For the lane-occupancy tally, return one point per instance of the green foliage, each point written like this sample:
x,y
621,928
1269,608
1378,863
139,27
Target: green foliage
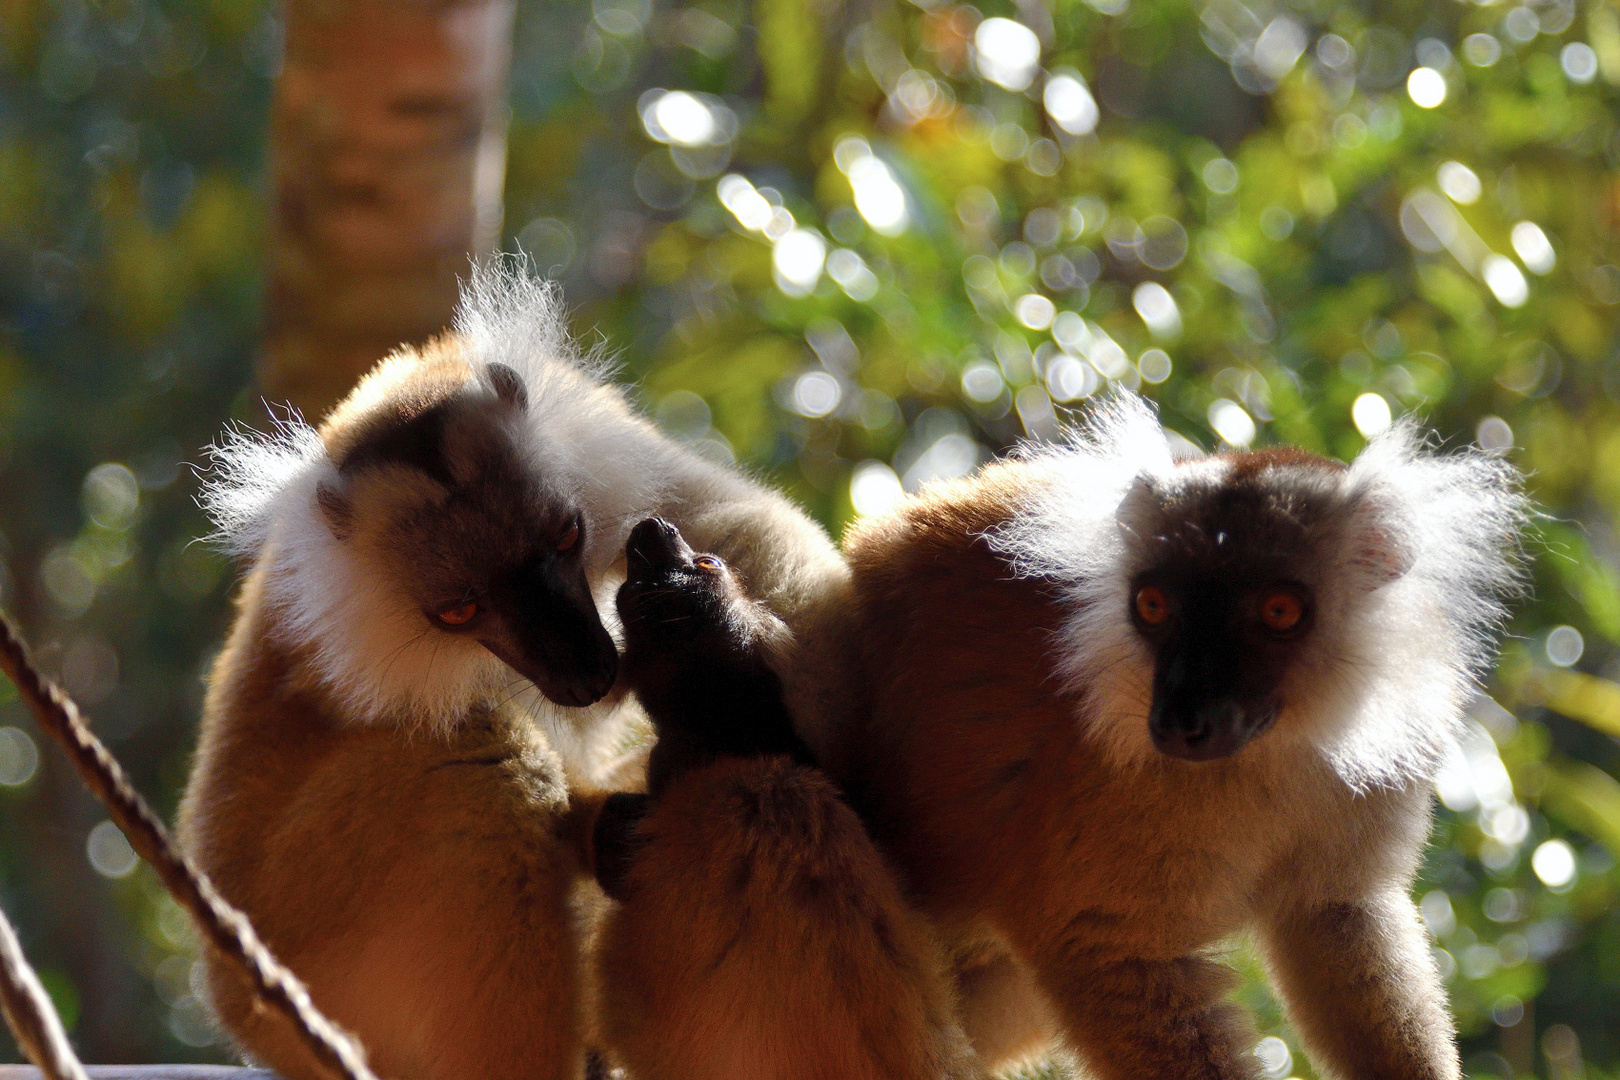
x,y
1311,251
1258,226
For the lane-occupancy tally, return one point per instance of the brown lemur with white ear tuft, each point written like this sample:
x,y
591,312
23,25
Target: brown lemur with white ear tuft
x,y
759,933
378,783
1119,707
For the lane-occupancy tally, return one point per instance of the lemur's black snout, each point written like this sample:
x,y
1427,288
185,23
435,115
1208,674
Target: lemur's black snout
x,y
655,547
549,631
1203,708
1207,731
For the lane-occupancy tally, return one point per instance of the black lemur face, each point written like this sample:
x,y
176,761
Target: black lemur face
x,y
694,656
1226,599
487,550
686,621
678,603
1222,647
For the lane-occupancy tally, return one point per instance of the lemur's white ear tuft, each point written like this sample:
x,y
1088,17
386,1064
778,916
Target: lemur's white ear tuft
x,y
252,472
1452,523
509,315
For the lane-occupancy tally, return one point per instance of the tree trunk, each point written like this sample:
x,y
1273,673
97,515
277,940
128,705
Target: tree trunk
x,y
388,151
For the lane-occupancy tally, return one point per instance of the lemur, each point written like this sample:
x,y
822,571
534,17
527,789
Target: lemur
x,y
418,673
759,932
1118,706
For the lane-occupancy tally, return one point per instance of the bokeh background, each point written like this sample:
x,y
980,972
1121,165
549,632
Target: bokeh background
x,y
855,245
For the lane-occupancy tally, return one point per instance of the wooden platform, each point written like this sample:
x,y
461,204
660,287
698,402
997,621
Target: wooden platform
x,y
149,1072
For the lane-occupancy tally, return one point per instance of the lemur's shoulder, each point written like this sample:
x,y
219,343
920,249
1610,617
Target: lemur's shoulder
x,y
935,530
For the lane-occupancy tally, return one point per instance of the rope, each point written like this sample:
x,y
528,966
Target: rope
x,y
29,1013
226,928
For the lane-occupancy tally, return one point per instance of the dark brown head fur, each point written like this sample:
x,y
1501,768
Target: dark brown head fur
x,y
438,490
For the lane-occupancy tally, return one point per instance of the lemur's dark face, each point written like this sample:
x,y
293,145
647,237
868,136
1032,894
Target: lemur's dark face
x,y
446,503
677,605
1223,644
1231,583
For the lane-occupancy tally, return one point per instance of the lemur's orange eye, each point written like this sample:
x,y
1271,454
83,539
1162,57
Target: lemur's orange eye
x,y
460,615
1152,606
1282,611
569,538
708,562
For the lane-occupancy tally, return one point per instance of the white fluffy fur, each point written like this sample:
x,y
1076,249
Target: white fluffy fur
x,y
366,639
509,316
252,472
1380,688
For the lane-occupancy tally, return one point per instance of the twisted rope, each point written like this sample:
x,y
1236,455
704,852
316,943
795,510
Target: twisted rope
x,y
226,928
29,1013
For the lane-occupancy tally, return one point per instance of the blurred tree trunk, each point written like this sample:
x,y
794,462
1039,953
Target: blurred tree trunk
x,y
388,155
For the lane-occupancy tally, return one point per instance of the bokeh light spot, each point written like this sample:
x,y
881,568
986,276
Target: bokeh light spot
x,y
747,205
1493,434
1437,912
797,259
1275,1058
1371,414
1533,248
1158,310
1426,87
109,853
1554,863
1459,182
111,495
19,757
816,394
874,489
1579,61
1231,422
1279,47
1034,311
1220,176
1505,281
1008,52
1565,646
1481,50
850,271
1068,378
1155,366
982,382
681,119
1069,103
878,196
1521,24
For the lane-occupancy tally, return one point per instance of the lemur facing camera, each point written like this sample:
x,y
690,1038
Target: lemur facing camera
x,y
1122,706
760,933
371,785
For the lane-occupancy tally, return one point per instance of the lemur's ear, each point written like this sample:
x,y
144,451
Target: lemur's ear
x,y
1140,506
1378,547
508,385
336,509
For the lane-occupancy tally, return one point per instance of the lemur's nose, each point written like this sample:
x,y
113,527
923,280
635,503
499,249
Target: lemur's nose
x,y
655,546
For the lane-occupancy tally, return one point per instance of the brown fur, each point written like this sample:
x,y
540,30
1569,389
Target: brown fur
x,y
445,837
759,933
421,871
1112,885
765,939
